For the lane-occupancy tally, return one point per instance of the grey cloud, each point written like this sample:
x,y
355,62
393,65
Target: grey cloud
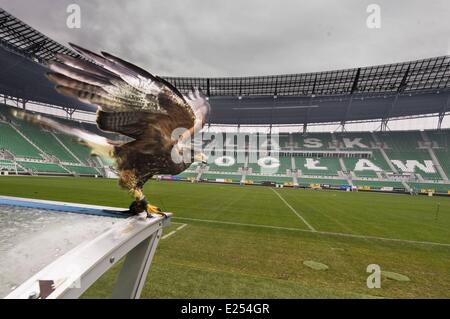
x,y
236,38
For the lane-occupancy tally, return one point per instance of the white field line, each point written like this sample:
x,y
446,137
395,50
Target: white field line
x,y
168,235
174,231
295,212
407,241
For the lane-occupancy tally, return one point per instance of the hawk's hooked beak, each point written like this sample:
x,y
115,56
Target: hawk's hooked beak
x,y
200,157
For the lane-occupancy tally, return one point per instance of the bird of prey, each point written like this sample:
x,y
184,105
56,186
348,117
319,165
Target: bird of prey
x,y
146,108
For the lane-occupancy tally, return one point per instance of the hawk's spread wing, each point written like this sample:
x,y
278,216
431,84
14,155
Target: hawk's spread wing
x,y
131,101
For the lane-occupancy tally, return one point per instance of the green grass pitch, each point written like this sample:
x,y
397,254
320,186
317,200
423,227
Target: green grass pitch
x,y
248,241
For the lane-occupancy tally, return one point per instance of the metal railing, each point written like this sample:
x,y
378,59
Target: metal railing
x,y
69,276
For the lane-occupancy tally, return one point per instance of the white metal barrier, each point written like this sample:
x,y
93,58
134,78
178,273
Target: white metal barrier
x,y
73,273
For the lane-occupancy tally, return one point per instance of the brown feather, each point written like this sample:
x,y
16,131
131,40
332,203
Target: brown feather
x,y
134,103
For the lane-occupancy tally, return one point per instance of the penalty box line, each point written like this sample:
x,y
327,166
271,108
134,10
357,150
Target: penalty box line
x,y
407,241
293,210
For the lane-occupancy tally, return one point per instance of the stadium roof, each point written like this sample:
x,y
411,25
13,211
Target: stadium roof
x,y
22,38
385,91
23,78
426,74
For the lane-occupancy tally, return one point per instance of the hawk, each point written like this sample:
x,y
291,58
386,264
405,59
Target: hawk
x,y
157,118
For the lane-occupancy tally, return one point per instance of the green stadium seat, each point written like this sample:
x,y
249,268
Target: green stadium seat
x,y
82,152
437,187
224,164
16,144
441,148
357,141
403,150
269,164
82,170
7,165
312,141
323,166
363,167
43,167
45,141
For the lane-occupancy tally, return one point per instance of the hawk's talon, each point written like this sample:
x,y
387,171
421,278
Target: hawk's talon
x,y
151,215
154,210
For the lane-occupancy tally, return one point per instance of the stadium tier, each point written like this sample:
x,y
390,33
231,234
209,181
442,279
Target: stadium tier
x,y
316,141
78,151
440,143
408,160
399,159
318,166
82,170
29,149
10,166
44,140
42,168
367,167
11,141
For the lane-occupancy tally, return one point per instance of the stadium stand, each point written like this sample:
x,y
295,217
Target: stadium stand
x,y
42,168
354,141
82,170
308,159
10,140
367,167
313,141
440,143
6,165
318,166
224,164
45,141
80,151
433,187
269,164
285,141
35,150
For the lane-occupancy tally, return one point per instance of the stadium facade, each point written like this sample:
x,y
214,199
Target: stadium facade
x,y
408,161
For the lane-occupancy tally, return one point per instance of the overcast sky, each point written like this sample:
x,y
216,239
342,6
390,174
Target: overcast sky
x,y
237,38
